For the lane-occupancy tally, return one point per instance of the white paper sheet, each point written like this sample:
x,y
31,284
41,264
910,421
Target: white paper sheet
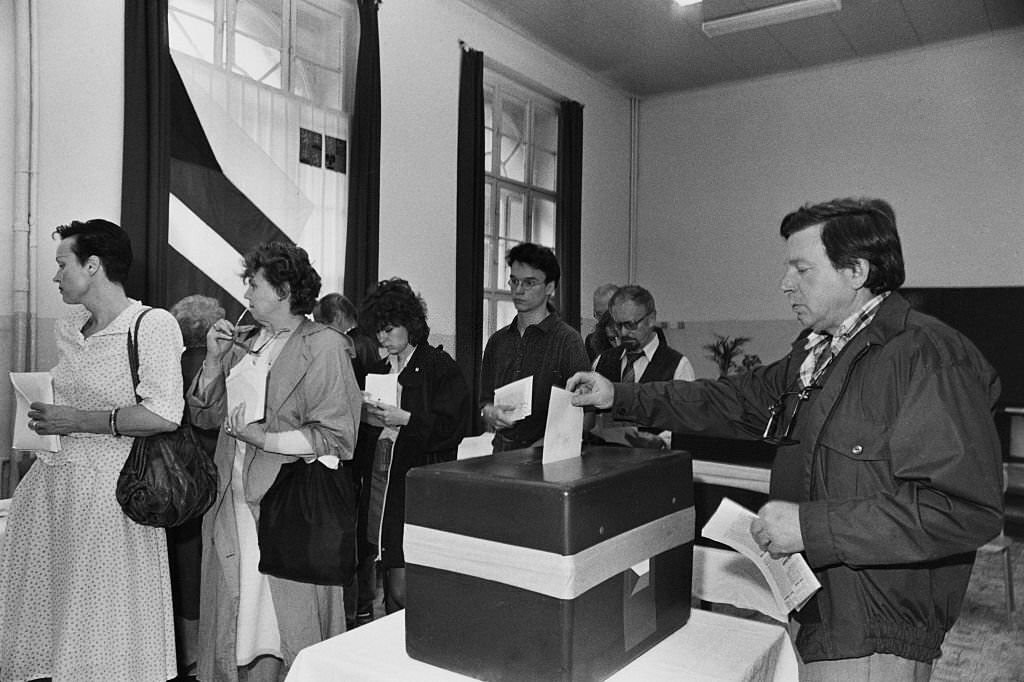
x,y
517,395
247,383
790,578
476,446
31,387
563,433
381,388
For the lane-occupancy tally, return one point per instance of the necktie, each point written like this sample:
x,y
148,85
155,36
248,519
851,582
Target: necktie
x,y
629,374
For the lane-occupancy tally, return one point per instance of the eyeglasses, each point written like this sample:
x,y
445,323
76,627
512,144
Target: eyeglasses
x,y
246,331
528,283
779,429
630,326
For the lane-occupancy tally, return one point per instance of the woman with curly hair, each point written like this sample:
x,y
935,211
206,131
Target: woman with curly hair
x,y
251,625
424,428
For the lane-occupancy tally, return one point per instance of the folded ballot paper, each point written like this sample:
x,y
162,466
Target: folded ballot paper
x,y
31,387
790,578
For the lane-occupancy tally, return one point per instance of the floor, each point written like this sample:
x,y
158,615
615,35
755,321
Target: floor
x,y
986,644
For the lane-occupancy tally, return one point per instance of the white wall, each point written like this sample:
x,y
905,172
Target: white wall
x,y
420,58
939,132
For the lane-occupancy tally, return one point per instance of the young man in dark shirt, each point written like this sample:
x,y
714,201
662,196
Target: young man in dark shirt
x,y
536,343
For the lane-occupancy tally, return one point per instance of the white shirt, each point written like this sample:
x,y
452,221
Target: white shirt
x,y
684,370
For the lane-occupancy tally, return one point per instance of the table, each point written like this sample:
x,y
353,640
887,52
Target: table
x,y
732,475
712,646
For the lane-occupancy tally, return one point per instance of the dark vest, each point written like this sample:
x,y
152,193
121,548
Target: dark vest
x,y
662,366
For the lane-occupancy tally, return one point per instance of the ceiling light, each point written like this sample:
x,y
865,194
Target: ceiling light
x,y
686,3
767,16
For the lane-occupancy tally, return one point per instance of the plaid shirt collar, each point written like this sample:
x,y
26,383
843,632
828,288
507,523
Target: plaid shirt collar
x,y
812,366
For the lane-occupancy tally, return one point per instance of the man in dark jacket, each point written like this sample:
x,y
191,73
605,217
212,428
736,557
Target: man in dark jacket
x,y
888,474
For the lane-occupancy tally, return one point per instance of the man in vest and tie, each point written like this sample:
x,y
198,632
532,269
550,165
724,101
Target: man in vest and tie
x,y
643,355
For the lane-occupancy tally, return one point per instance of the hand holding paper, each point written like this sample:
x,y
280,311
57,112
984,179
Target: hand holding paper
x,y
563,433
517,395
790,578
381,388
31,387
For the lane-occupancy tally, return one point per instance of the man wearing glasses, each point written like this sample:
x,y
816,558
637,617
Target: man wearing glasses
x,y
536,343
888,474
643,355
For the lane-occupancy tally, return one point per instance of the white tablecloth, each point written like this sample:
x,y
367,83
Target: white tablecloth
x,y
711,646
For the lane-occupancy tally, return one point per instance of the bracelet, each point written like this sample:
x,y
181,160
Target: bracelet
x,y
113,423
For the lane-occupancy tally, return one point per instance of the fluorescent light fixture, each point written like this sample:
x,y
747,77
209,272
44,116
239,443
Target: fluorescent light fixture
x,y
767,16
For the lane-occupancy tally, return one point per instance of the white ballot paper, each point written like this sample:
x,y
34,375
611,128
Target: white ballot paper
x,y
563,433
31,387
476,446
790,578
518,395
247,383
381,388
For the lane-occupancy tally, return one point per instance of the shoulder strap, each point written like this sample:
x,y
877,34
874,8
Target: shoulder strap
x,y
133,351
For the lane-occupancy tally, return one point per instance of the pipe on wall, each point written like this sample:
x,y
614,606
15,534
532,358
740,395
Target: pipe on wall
x,y
24,136
634,165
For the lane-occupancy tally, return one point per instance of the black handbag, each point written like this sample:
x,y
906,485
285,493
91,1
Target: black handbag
x,y
168,478
307,526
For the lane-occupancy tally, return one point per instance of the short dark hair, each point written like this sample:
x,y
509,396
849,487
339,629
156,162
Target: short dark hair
x,y
536,256
333,306
393,303
855,228
103,239
195,315
635,293
286,267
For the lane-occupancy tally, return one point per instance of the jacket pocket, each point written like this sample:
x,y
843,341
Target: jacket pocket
x,y
854,460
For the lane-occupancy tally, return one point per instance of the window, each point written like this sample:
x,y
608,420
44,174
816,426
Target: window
x,y
299,46
520,188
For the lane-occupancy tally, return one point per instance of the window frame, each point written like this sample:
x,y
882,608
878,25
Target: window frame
x,y
497,89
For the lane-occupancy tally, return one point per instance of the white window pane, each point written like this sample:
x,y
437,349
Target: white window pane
x,y
321,85
490,264
513,141
200,8
506,313
489,327
257,61
512,215
488,209
190,35
260,20
544,169
318,35
513,158
544,221
504,245
545,129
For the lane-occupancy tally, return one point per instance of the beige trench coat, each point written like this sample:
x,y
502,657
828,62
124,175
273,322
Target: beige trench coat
x,y
312,388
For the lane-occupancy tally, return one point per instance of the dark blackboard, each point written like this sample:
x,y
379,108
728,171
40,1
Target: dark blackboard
x,y
991,317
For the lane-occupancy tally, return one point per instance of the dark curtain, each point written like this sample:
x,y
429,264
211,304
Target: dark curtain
x,y
146,158
469,224
363,237
570,183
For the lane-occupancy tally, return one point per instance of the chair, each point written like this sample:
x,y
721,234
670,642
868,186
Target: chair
x,y
1001,544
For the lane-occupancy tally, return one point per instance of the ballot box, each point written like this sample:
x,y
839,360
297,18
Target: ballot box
x,y
519,570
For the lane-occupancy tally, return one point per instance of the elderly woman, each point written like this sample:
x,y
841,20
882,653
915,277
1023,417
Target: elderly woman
x,y
195,315
84,590
424,428
250,623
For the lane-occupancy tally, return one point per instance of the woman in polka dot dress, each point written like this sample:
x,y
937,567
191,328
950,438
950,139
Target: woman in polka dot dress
x,y
84,591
